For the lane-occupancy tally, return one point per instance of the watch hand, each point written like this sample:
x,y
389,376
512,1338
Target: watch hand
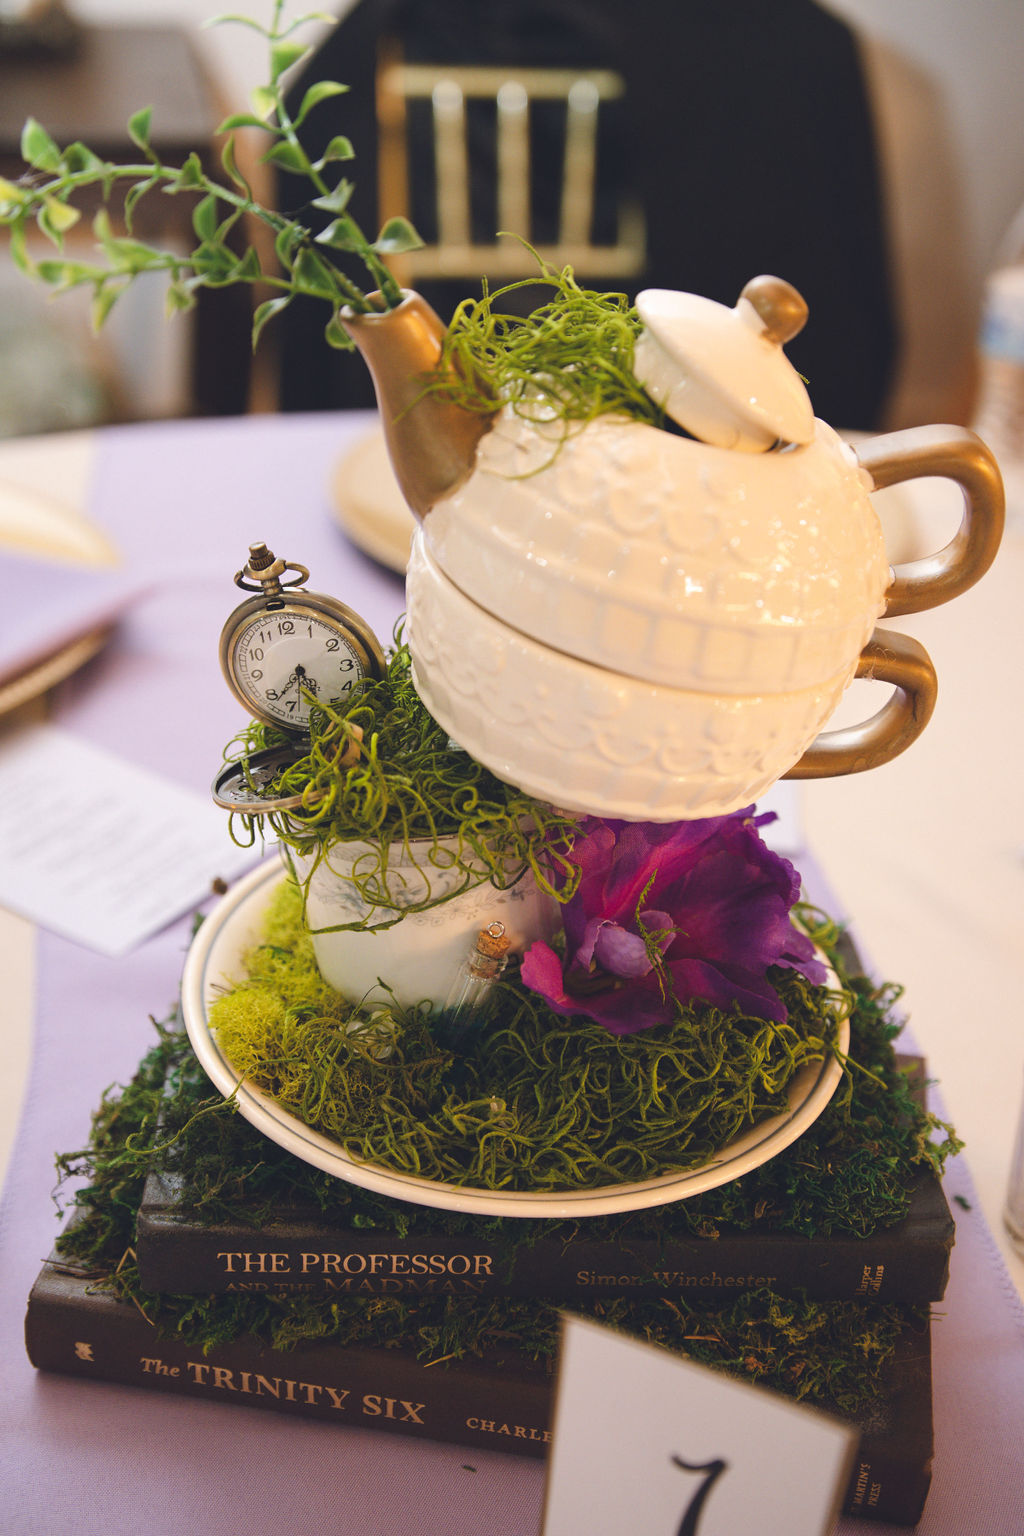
x,y
296,680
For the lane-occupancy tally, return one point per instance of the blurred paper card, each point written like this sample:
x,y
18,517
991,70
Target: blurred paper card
x,y
646,1440
49,604
99,850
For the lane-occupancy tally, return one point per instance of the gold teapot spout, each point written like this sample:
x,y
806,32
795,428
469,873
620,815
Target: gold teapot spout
x,y
431,438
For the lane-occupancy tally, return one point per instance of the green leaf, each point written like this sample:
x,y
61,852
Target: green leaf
x,y
242,21
66,274
11,198
248,269
339,148
337,200
302,21
322,91
286,241
55,217
342,234
336,335
38,148
179,299
190,175
139,126
204,217
133,255
124,252
284,55
225,226
312,275
267,312
62,215
242,120
211,260
264,101
290,157
133,196
103,301
230,164
397,236
79,158
51,272
18,246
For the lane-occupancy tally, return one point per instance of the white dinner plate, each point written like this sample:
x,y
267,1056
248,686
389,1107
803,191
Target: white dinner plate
x,y
215,962
368,504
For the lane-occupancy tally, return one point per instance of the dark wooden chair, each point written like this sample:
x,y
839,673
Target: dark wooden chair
x,y
732,139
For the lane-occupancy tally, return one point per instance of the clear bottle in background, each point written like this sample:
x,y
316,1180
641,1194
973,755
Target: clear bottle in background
x,y
999,413
1013,1210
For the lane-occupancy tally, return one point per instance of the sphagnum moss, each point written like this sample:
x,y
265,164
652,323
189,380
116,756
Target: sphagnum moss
x,y
407,784
851,1172
830,1352
540,1103
567,363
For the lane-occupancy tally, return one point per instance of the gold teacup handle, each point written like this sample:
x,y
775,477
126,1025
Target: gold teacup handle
x,y
887,658
953,453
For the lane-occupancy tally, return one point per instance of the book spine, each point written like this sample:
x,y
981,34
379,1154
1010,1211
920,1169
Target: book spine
x,y
883,1489
184,1258
72,1330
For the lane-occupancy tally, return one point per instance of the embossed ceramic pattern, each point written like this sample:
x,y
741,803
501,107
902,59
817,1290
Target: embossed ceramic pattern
x,y
668,560
644,626
419,955
589,739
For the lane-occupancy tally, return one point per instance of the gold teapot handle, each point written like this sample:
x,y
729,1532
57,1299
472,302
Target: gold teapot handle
x,y
887,658
953,453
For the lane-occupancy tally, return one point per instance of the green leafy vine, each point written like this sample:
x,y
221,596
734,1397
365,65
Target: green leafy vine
x,y
307,262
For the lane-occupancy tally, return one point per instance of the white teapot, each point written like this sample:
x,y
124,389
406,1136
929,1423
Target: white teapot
x,y
647,625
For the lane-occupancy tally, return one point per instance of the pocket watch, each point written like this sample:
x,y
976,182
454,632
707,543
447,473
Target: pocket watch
x,y
283,652
286,650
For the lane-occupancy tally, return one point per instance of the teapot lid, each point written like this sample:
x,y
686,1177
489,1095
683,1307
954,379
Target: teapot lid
x,y
721,373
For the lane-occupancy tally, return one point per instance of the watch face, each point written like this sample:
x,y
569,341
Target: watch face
x,y
284,660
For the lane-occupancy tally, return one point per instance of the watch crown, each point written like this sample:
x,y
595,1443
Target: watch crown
x,y
259,557
265,567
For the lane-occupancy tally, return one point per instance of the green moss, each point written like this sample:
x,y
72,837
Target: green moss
x,y
851,1172
568,362
831,1352
407,782
541,1103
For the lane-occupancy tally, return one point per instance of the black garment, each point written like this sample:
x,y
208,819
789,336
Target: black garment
x,y
745,132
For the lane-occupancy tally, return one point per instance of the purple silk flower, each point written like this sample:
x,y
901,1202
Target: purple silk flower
x,y
669,914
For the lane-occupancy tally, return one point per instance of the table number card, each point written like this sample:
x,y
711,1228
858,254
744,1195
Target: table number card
x,y
647,1441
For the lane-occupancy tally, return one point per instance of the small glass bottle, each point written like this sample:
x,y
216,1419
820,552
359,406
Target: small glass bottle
x,y
999,408
471,993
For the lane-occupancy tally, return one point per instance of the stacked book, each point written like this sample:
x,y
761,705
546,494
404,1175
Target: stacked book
x,y
500,1398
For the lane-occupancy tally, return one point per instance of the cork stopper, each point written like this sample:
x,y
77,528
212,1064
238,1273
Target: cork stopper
x,y
493,941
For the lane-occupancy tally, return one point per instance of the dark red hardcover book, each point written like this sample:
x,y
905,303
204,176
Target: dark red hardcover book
x,y
505,1403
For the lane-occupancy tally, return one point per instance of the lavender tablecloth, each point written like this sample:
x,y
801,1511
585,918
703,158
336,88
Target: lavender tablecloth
x,y
183,502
